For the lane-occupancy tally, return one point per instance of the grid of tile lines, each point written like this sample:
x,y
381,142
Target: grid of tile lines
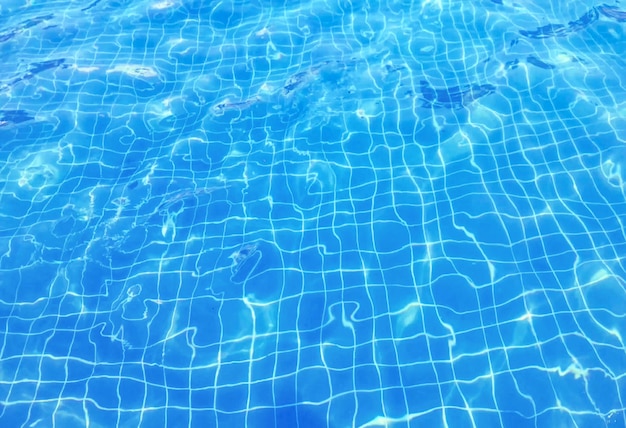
x,y
345,213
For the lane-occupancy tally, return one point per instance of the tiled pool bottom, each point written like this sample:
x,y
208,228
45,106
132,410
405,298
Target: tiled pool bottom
x,y
396,214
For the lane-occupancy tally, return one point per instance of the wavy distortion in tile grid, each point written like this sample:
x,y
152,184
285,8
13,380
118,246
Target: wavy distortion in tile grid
x,y
312,214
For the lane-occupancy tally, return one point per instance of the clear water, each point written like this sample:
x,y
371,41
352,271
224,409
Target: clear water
x,y
328,213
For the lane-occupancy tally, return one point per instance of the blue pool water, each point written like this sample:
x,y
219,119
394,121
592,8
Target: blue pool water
x,y
307,214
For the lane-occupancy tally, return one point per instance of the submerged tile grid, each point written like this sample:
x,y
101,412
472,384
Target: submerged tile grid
x,y
312,214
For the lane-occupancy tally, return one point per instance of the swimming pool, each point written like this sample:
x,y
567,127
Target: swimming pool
x,y
326,213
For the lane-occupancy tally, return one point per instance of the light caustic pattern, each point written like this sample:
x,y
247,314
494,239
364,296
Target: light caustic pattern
x,y
314,214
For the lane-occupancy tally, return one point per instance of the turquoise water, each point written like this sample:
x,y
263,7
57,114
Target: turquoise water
x,y
342,213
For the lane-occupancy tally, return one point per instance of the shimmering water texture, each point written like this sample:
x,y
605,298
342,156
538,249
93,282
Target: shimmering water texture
x,y
309,214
